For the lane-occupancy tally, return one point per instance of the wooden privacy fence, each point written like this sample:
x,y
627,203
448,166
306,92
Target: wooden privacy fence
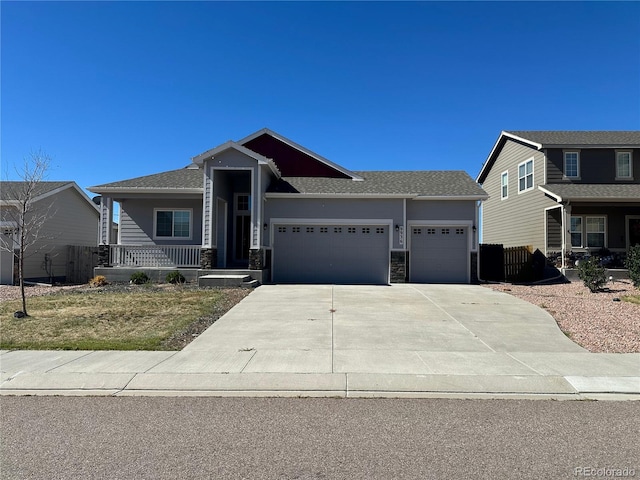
x,y
518,264
512,264
80,263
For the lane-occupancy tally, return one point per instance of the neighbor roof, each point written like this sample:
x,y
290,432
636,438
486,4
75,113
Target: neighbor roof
x,y
540,139
452,183
11,190
601,192
187,180
600,138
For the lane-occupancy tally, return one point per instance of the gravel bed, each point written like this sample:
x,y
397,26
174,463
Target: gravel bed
x,y
595,321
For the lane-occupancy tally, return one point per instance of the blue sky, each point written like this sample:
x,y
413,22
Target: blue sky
x,y
115,90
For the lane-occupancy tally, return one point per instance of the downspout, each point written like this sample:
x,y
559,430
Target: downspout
x,y
563,215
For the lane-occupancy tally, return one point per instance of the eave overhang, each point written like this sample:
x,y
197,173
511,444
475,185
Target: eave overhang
x,y
231,145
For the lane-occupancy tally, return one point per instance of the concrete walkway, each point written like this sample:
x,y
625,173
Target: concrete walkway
x,y
349,341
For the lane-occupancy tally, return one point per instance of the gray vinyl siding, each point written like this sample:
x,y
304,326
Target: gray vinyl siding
x,y
597,165
136,220
445,210
518,219
71,221
336,208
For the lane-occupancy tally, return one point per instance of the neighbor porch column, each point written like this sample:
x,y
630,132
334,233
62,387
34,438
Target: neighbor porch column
x,y
105,232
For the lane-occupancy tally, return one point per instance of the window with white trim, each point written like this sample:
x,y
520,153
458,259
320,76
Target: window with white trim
x,y
504,185
624,165
172,224
595,232
572,164
525,176
588,232
576,231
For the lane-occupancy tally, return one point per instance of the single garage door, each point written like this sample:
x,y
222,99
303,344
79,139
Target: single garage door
x,y
439,254
331,254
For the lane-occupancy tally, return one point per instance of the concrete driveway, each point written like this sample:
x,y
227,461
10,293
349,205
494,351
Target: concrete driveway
x,y
402,329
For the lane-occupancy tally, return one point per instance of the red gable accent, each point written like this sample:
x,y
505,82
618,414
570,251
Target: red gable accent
x,y
291,161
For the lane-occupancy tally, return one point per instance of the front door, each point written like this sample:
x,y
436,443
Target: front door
x,y
242,227
633,229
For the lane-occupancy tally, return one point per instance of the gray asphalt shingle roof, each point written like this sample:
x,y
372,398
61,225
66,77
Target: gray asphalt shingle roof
x,y
428,183
183,178
600,192
585,138
11,190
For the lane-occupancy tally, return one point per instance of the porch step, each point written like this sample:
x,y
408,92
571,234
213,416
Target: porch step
x,y
227,280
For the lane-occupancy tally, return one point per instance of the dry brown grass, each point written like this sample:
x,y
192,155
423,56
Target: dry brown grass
x,y
121,318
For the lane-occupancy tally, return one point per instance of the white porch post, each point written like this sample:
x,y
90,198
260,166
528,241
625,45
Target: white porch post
x,y
566,232
106,221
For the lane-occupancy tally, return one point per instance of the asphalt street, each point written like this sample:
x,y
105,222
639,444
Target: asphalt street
x,y
276,438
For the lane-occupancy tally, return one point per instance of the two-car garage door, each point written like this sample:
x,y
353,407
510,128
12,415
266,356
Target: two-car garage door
x,y
439,254
345,253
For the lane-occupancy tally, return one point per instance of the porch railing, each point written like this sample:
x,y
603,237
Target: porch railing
x,y
155,255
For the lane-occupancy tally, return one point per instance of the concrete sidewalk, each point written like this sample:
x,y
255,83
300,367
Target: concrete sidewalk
x,y
349,341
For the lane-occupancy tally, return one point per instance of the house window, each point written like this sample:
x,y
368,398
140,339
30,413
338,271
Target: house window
x,y
243,203
173,224
504,185
595,232
624,166
571,164
525,176
576,231
588,232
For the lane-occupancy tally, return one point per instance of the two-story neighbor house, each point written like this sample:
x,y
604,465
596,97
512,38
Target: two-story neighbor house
x,y
68,217
565,193
288,215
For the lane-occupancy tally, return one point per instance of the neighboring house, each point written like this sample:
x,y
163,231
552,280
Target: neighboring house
x,y
288,215
70,218
566,193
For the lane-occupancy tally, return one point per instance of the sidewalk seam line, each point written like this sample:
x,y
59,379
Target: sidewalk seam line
x,y
161,361
70,361
521,362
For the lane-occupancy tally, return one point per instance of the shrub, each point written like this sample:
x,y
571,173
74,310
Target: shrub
x,y
592,273
139,278
98,281
633,264
175,277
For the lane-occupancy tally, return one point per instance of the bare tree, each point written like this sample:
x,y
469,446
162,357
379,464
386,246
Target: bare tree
x,y
25,215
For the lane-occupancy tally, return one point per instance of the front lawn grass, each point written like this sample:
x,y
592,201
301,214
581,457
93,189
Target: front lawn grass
x,y
144,317
632,299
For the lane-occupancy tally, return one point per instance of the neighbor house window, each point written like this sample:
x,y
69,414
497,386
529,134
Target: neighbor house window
x,y
173,224
576,231
571,164
595,232
624,166
525,176
504,185
588,232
